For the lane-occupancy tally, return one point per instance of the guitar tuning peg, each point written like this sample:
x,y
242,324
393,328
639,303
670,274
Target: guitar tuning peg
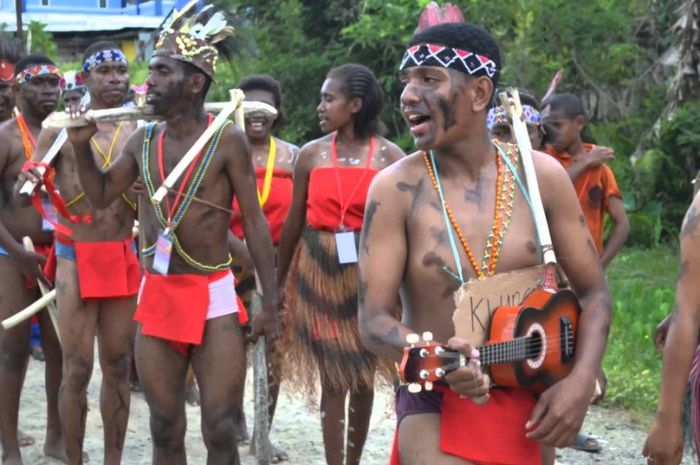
x,y
428,337
428,385
414,388
412,339
439,372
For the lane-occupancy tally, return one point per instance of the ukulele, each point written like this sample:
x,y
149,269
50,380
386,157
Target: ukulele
x,y
530,346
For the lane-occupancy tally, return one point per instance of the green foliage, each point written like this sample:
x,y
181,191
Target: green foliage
x,y
41,41
642,283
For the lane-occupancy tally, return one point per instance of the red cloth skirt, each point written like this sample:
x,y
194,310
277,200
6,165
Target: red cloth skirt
x,y
107,269
491,434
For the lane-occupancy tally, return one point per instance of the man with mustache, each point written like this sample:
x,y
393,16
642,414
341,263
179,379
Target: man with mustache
x,y
451,212
34,81
187,309
97,274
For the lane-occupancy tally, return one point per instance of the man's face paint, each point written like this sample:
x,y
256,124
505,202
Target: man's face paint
x,y
432,104
165,80
41,94
7,100
109,82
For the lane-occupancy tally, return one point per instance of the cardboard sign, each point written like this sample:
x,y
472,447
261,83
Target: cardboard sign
x,y
477,299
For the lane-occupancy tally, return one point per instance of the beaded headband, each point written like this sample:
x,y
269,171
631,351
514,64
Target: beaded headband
x,y
31,72
72,80
7,71
104,56
497,115
447,57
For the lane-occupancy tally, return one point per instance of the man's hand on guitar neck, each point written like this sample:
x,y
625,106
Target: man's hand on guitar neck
x,y
468,381
558,416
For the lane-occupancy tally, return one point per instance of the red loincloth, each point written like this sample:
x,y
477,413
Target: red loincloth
x,y
107,269
276,207
492,434
175,307
323,209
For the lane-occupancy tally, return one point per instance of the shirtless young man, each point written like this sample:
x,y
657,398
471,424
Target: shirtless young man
x,y
405,248
97,274
187,307
37,91
678,337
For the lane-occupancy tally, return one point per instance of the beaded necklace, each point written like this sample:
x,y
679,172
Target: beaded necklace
x,y
503,211
187,197
107,162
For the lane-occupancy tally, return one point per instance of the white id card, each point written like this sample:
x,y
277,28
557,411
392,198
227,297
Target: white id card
x,y
51,215
164,248
347,250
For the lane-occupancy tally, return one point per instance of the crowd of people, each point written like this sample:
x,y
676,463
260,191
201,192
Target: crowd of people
x,y
353,245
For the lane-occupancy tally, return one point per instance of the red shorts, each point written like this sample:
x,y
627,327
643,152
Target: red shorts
x,y
492,434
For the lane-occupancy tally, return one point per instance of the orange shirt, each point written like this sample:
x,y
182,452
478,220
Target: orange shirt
x,y
594,188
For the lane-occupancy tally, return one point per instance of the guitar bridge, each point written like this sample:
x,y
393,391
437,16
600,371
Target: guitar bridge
x,y
566,329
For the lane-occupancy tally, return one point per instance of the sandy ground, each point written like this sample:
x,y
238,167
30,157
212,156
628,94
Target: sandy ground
x,y
297,429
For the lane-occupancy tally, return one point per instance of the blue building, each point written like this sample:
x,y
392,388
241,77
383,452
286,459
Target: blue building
x,y
75,24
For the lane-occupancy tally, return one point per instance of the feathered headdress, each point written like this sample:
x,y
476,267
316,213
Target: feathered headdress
x,y
10,53
433,14
198,39
72,80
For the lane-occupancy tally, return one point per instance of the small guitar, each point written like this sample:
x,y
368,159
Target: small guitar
x,y
531,345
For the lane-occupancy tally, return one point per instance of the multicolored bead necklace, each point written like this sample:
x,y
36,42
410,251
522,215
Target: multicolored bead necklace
x,y
503,212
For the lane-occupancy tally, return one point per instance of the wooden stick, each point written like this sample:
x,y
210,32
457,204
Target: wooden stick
x,y
145,112
28,312
29,186
260,388
515,110
189,157
43,288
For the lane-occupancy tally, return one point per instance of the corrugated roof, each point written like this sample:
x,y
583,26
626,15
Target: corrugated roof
x,y
61,22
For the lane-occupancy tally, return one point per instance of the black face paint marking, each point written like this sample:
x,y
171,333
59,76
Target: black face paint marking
x,y
414,189
369,216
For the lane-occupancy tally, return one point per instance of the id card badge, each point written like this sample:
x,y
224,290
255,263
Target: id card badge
x,y
164,248
51,215
347,249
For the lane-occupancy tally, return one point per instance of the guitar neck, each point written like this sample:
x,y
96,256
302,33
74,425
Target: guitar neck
x,y
514,350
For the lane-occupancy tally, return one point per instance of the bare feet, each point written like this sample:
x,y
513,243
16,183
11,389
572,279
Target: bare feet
x,y
56,451
24,439
277,454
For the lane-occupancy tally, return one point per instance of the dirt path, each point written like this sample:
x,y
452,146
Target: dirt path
x,y
297,429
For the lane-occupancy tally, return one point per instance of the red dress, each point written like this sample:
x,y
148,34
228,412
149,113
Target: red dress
x,y
275,208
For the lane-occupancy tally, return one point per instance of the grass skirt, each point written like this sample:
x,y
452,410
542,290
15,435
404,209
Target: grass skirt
x,y
320,320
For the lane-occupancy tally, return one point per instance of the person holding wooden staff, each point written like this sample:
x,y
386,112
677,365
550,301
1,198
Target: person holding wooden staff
x,y
450,215
97,272
318,257
187,310
273,159
35,82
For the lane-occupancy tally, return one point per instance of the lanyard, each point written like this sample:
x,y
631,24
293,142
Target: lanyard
x,y
269,169
344,206
173,208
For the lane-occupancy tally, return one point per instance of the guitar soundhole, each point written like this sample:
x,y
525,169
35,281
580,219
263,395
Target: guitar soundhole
x,y
536,346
